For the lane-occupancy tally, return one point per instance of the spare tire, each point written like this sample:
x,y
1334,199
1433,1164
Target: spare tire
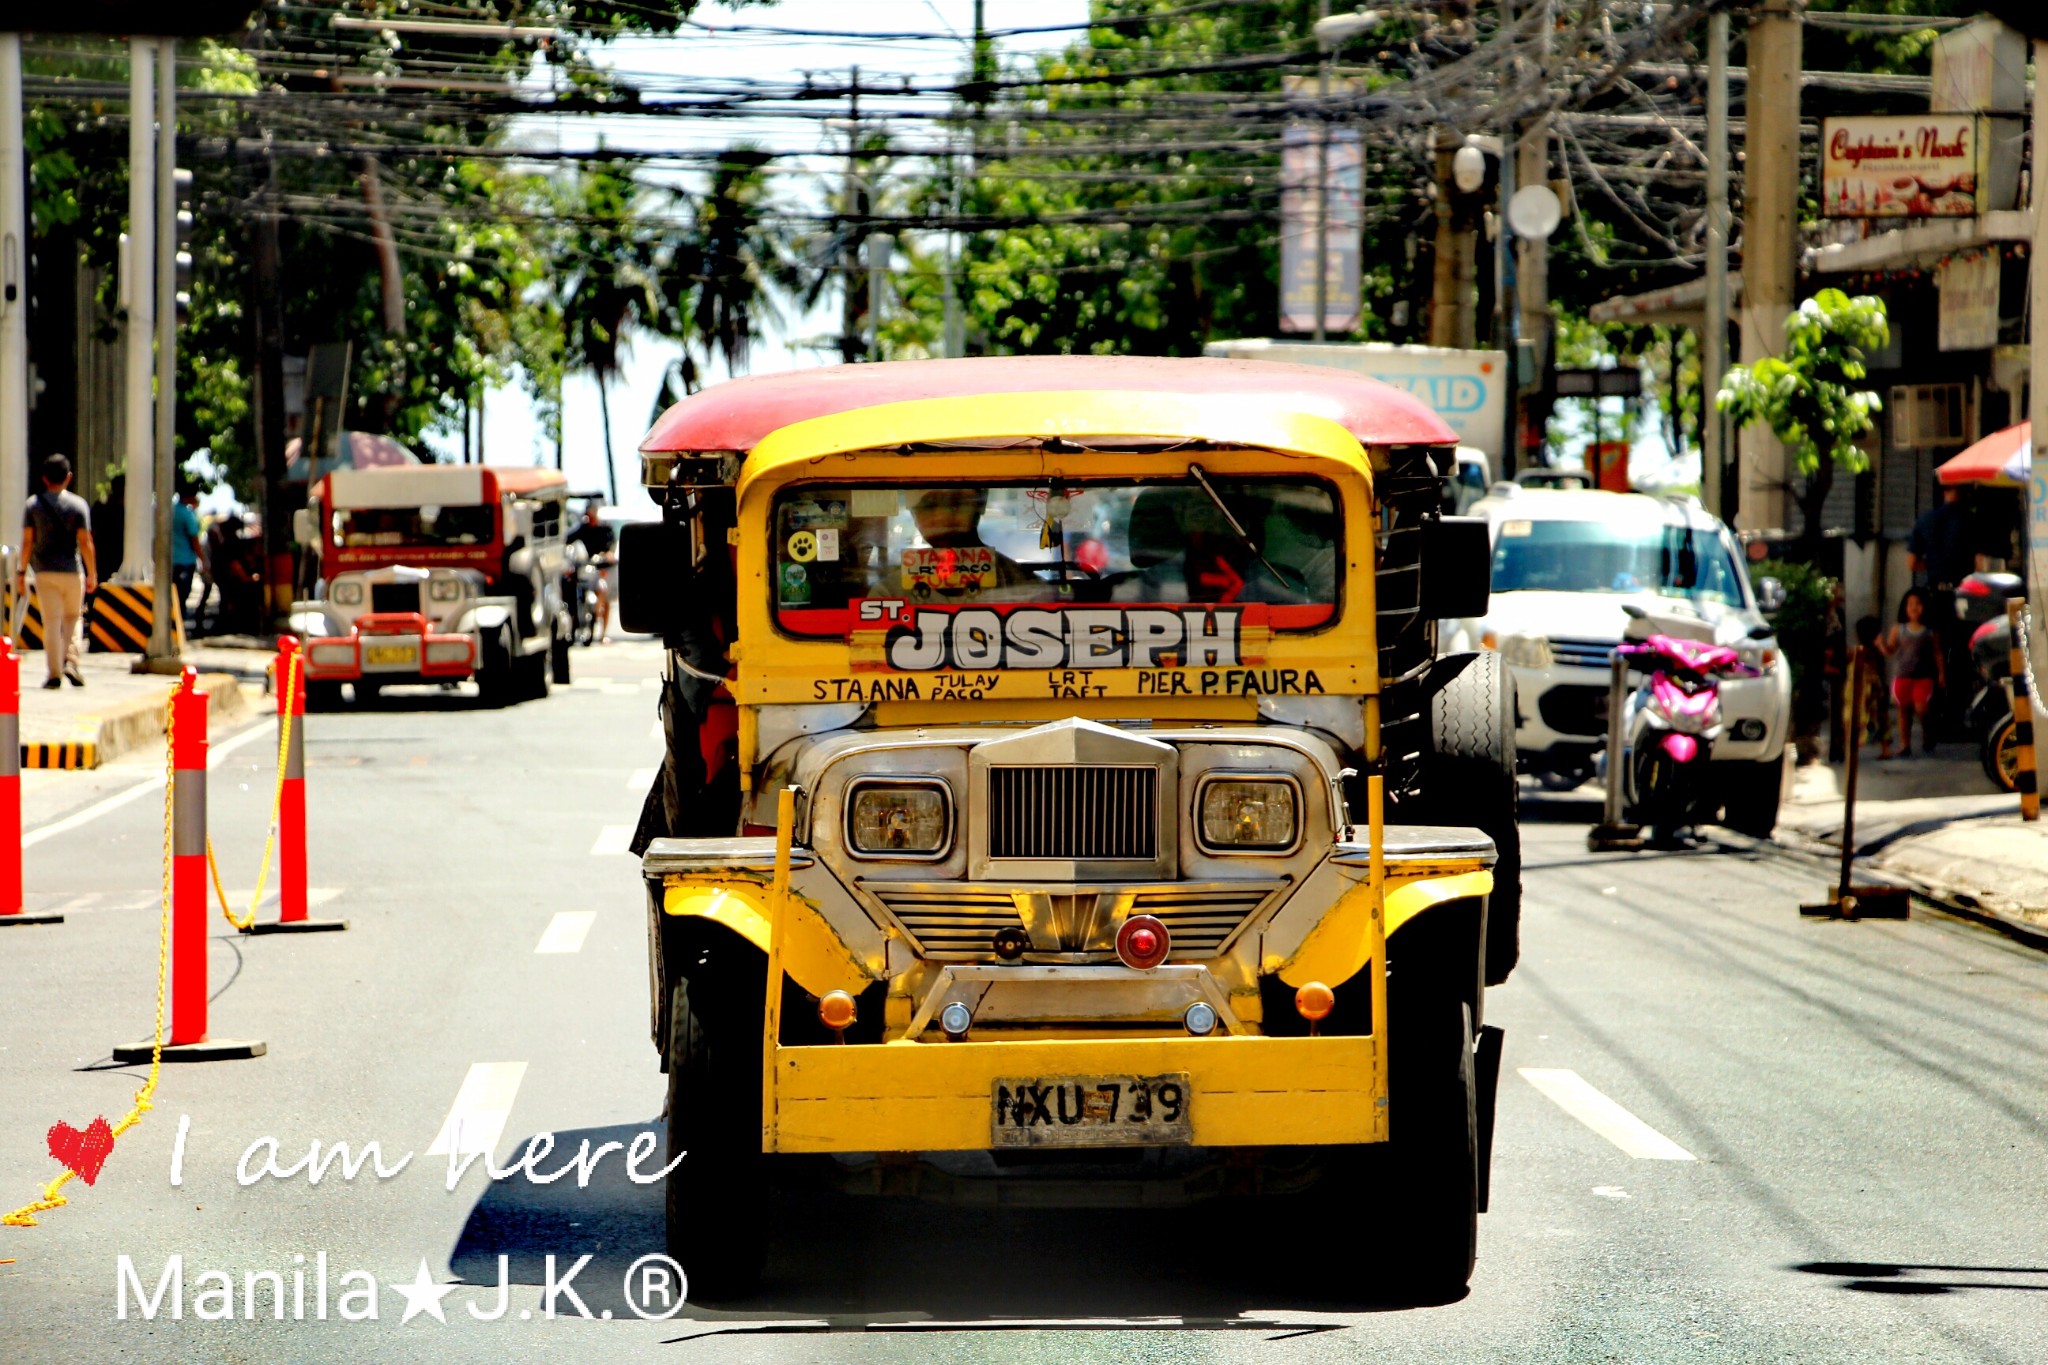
x,y
1468,778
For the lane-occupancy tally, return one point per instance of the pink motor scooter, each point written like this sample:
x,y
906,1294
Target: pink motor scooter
x,y
1672,722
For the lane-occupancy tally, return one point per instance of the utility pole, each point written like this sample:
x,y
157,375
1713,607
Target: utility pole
x,y
268,316
2037,481
166,609
139,297
879,247
1714,332
1451,321
13,296
1532,280
850,247
1322,181
1770,191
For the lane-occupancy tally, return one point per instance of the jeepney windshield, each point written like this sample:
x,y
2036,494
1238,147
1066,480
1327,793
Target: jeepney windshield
x,y
368,526
837,546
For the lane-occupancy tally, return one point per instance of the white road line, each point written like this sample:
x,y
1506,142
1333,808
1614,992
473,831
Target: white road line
x,y
476,1123
565,931
612,839
149,784
640,779
1571,1092
619,689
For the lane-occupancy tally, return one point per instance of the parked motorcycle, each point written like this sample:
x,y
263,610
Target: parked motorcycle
x,y
1672,722
1980,602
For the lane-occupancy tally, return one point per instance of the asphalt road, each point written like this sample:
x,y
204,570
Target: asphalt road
x,y
1800,1141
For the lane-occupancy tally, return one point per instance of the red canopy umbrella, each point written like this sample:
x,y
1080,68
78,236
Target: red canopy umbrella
x,y
2001,459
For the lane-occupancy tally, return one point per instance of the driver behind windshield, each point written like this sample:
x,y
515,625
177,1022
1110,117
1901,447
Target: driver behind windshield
x,y
1185,549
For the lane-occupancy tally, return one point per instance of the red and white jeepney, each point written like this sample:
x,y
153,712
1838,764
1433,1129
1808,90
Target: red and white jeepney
x,y
435,573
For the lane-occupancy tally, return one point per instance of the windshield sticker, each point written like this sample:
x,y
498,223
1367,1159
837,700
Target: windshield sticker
x,y
963,572
803,548
796,585
812,516
828,545
1514,529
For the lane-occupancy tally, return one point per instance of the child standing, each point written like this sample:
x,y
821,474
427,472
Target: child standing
x,y
1916,668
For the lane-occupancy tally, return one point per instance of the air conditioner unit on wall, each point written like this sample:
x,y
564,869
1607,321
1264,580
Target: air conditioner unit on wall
x,y
1929,415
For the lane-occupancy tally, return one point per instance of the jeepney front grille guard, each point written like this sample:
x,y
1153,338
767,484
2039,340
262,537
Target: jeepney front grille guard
x,y
1409,492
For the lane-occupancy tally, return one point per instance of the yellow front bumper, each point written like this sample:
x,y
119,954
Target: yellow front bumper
x,y
928,1097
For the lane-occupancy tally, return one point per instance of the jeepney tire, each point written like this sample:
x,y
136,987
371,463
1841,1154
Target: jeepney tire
x,y
494,681
1469,779
558,657
1432,1174
323,696
1751,794
716,1199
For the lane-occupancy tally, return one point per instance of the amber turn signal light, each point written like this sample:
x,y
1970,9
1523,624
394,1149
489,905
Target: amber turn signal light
x,y
1142,943
835,1011
1313,1002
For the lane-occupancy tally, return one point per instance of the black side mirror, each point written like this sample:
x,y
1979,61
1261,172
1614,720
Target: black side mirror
x,y
1763,632
1457,567
653,574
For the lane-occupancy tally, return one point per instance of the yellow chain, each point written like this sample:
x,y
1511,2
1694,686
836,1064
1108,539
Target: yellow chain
x,y
25,1216
284,739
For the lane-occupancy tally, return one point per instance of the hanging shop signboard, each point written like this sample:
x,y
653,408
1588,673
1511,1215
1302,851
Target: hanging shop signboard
x,y
1903,166
1968,320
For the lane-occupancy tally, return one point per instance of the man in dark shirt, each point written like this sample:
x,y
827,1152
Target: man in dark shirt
x,y
56,541
598,540
1942,548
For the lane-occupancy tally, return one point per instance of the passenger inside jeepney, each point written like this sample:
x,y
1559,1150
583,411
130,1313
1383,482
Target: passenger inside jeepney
x,y
1185,549
949,518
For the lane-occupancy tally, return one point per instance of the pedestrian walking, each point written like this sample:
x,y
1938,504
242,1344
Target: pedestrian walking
x,y
186,549
1918,669
56,542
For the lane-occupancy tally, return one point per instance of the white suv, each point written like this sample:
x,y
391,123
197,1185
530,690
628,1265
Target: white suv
x,y
1564,565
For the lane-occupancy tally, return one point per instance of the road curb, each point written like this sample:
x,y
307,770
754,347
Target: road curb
x,y
89,741
1956,902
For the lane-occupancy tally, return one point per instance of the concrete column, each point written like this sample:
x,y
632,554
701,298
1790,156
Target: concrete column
x,y
1770,241
1714,332
138,296
14,395
163,649
2037,483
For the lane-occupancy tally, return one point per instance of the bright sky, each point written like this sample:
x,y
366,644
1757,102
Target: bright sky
x,y
513,434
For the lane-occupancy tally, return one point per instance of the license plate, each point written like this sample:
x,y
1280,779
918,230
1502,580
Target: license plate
x,y
1090,1111
392,654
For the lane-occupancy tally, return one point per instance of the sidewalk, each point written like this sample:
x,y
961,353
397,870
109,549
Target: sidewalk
x,y
1935,821
119,710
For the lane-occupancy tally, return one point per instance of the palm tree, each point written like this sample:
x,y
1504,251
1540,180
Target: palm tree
x,y
610,286
729,272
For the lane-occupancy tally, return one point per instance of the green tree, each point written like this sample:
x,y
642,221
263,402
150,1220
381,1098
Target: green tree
x,y
1810,395
730,270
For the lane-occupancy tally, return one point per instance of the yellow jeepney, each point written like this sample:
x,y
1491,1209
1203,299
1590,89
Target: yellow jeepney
x,y
1095,855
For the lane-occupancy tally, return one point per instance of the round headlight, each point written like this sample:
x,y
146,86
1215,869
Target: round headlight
x,y
347,592
1250,813
899,819
444,589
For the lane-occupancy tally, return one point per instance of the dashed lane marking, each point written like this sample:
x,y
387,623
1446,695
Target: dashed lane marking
x,y
612,839
565,932
476,1123
1571,1092
640,779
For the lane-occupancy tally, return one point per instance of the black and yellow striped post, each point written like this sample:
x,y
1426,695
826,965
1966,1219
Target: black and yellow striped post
x,y
119,619
2025,778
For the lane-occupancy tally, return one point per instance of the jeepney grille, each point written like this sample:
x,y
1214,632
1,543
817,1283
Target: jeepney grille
x,y
959,923
395,597
1096,811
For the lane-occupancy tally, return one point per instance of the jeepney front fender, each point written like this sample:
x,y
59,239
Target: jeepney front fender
x,y
813,954
1421,873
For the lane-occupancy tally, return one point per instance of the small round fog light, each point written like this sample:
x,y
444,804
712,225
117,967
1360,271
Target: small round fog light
x,y
1200,1019
835,1011
1313,1002
956,1019
1142,943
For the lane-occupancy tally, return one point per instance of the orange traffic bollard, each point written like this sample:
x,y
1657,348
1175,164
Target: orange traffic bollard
x,y
11,911
185,851
291,800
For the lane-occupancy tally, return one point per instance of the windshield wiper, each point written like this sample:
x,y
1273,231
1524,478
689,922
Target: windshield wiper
x,y
1244,537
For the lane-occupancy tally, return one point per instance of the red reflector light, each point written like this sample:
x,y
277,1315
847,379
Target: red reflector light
x,y
1142,943
1974,587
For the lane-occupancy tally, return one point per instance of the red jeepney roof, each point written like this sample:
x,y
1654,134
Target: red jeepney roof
x,y
736,415
525,478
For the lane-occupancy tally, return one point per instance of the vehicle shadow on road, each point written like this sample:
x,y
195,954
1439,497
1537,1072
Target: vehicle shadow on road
x,y
1885,1277
854,1262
